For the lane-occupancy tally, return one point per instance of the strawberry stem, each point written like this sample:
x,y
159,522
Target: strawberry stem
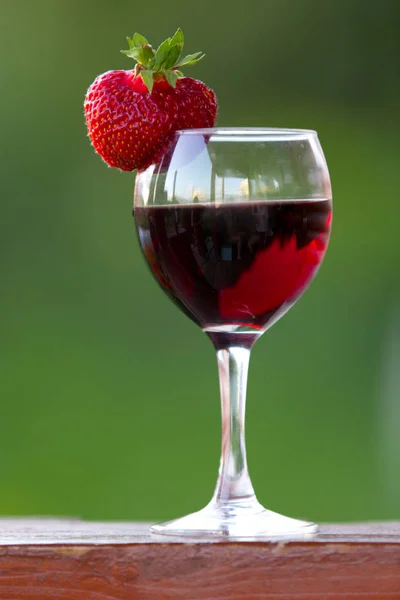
x,y
167,60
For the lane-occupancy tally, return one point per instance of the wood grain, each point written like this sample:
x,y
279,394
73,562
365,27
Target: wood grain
x,y
357,562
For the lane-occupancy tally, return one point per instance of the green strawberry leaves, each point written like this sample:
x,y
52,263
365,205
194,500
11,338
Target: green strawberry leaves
x,y
174,53
191,59
138,40
161,55
171,77
166,60
178,38
148,79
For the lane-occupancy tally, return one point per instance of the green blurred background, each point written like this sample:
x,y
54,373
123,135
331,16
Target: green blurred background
x,y
109,402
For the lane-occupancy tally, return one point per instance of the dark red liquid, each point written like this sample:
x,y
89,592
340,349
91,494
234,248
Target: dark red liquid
x,y
235,264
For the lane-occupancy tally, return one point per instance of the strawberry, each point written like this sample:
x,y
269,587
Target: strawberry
x,y
131,115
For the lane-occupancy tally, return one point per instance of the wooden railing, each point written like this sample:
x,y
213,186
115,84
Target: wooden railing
x,y
72,560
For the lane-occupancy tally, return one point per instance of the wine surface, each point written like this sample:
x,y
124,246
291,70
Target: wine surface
x,y
235,265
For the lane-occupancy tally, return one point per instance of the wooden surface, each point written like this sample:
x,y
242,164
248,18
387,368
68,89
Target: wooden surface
x,y
72,560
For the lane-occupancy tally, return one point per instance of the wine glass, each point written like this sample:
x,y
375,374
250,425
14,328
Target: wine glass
x,y
234,224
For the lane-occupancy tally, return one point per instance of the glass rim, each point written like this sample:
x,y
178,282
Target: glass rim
x,y
246,132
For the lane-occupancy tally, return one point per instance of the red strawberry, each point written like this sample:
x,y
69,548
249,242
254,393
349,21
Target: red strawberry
x,y
130,115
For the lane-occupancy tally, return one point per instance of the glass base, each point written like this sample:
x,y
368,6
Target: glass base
x,y
236,520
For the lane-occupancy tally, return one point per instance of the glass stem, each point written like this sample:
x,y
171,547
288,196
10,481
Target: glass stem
x,y
233,485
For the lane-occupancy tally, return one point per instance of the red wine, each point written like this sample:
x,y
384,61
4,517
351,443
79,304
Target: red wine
x,y
235,266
